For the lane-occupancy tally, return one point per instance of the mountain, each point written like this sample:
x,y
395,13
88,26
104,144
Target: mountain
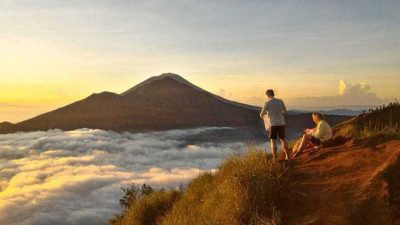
x,y
343,112
159,103
162,102
6,126
338,112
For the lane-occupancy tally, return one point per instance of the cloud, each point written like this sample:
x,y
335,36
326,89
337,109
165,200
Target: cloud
x,y
74,177
2,104
349,94
348,89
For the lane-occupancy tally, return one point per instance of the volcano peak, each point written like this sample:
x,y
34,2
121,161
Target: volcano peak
x,y
160,77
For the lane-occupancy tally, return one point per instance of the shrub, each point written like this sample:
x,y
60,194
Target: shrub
x,y
149,209
134,194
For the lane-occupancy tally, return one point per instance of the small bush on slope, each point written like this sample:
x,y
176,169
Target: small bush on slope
x,y
149,209
134,194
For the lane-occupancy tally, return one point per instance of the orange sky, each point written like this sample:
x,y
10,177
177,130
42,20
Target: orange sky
x,y
54,53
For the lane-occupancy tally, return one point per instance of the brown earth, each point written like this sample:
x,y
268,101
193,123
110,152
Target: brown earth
x,y
352,183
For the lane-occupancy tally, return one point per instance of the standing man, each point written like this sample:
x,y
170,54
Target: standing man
x,y
274,110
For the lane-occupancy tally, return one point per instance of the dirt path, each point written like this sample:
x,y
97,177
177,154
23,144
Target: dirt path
x,y
348,184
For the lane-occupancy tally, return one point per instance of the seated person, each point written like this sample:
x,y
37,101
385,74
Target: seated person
x,y
322,132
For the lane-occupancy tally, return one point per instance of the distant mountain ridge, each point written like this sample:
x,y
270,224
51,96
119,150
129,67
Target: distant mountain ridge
x,y
338,112
162,102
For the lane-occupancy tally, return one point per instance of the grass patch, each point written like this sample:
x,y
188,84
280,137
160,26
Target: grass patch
x,y
385,121
146,209
245,190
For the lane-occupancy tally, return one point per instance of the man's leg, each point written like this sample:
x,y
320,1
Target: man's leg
x,y
285,148
273,148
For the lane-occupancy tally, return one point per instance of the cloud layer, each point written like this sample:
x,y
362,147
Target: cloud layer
x,y
349,95
74,177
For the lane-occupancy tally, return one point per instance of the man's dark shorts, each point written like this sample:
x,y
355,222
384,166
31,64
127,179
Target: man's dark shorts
x,y
276,131
315,141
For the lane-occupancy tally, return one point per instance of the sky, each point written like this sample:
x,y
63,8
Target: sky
x,y
314,54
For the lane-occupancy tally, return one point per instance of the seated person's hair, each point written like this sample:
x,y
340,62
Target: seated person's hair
x,y
270,92
319,115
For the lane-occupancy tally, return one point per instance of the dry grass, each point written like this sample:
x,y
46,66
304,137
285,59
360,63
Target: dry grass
x,y
245,190
148,210
384,121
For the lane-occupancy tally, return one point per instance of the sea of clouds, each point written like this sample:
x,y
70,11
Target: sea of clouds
x,y
75,177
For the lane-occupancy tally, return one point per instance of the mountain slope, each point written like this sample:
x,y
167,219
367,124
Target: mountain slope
x,y
357,181
346,184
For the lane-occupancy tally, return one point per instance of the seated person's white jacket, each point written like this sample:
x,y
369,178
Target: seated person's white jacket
x,y
323,131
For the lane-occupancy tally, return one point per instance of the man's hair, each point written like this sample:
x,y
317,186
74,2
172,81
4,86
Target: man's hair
x,y
319,115
270,92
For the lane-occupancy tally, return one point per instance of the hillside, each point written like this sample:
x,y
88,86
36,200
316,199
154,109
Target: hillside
x,y
348,184
162,102
354,182
381,121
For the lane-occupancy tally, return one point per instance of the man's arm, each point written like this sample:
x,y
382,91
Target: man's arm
x,y
320,131
263,111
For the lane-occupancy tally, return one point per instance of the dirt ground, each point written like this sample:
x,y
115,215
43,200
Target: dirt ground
x,y
347,184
